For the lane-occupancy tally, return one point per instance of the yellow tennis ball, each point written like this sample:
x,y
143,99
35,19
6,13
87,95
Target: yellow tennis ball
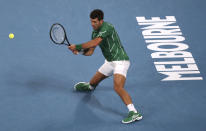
x,y
11,35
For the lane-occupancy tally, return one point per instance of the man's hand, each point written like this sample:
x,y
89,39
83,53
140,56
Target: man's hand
x,y
75,52
73,49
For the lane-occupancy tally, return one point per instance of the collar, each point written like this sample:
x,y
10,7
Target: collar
x,y
100,27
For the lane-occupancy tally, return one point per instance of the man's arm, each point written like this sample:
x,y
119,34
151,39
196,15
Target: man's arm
x,y
89,51
91,44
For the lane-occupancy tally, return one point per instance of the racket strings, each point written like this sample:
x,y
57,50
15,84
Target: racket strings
x,y
58,34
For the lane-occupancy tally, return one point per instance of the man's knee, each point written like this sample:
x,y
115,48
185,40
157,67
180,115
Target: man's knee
x,y
118,86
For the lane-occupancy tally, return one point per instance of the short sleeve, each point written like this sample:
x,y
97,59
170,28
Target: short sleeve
x,y
104,32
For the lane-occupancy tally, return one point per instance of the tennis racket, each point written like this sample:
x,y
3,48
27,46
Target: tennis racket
x,y
58,35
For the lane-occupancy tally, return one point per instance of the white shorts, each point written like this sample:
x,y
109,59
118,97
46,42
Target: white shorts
x,y
114,67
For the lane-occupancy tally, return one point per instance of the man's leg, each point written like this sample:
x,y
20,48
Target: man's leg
x,y
119,81
96,79
104,71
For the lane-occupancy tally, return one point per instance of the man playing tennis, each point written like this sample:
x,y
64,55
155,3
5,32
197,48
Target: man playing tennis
x,y
116,61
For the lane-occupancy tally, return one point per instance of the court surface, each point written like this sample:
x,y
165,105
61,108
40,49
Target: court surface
x,y
37,77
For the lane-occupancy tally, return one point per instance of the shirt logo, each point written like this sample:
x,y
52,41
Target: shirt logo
x,y
100,33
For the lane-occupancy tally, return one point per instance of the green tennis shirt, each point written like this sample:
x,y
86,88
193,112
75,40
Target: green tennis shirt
x,y
111,46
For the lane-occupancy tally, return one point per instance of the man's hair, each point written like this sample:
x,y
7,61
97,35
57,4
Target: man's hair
x,y
97,13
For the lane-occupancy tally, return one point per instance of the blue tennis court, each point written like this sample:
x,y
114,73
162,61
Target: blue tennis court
x,y
37,76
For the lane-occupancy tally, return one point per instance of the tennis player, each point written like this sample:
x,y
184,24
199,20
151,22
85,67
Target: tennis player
x,y
116,61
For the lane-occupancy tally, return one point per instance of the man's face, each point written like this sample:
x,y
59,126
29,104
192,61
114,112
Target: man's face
x,y
96,23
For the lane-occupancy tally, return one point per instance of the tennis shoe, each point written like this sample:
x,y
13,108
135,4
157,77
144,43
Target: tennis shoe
x,y
132,117
82,86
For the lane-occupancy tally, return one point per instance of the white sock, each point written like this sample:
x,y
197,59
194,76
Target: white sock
x,y
131,108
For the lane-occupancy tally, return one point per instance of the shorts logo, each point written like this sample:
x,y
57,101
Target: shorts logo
x,y
170,54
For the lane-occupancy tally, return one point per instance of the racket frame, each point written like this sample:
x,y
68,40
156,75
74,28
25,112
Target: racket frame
x,y
65,35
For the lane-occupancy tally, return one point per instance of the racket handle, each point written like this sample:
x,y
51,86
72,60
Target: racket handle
x,y
68,44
